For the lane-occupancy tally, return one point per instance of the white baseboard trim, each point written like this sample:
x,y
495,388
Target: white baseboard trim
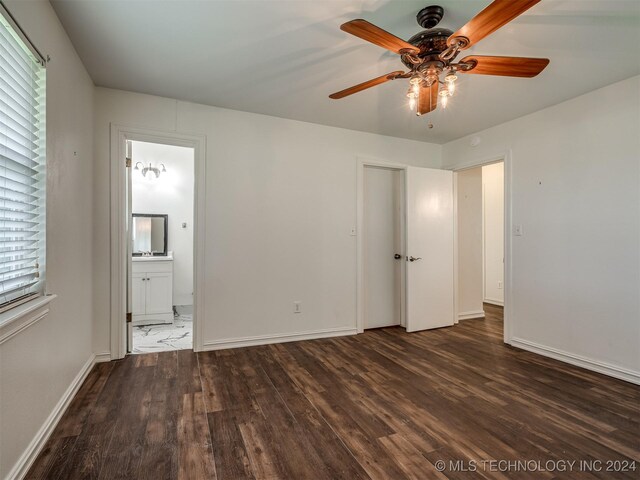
x,y
500,303
469,315
267,339
578,360
103,357
32,451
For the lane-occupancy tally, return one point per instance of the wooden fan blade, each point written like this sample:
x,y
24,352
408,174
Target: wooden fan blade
x,y
505,66
369,32
364,85
497,14
428,99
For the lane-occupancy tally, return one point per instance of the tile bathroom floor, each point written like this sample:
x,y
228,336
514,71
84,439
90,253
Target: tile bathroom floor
x,y
164,337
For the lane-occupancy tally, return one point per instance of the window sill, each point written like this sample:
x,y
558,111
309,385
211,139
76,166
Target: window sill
x,y
23,316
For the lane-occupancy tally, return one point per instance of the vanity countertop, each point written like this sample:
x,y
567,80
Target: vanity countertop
x,y
154,258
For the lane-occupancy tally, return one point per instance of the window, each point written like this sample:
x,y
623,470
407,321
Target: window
x,y
22,166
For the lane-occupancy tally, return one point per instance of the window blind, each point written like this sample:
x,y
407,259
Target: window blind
x,y
22,168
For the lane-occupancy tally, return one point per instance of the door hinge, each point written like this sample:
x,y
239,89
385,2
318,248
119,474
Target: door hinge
x,y
128,163
128,317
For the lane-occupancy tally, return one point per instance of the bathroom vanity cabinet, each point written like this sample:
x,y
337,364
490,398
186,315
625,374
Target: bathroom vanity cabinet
x,y
152,290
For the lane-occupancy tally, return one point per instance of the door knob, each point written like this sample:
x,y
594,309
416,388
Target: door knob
x,y
414,259
397,256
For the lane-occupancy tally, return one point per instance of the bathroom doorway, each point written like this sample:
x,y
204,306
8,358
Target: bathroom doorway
x,y
160,264
122,169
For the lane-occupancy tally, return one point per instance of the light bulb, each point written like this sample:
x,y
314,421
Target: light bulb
x,y
451,82
451,88
415,85
444,97
412,96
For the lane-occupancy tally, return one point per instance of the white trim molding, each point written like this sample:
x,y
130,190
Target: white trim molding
x,y
38,442
491,301
470,315
119,135
578,360
18,319
103,357
268,339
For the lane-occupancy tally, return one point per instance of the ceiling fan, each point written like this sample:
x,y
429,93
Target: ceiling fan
x,y
432,52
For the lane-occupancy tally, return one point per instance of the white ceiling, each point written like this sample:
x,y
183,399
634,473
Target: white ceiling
x,y
284,58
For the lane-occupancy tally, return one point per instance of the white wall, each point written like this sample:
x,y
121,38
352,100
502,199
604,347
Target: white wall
x,y
171,194
469,233
38,364
493,227
281,200
575,183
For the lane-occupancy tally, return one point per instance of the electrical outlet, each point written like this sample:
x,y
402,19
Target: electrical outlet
x,y
297,307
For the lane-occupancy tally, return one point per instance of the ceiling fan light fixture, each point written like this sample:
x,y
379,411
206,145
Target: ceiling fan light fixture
x,y
444,95
450,80
432,52
412,95
415,85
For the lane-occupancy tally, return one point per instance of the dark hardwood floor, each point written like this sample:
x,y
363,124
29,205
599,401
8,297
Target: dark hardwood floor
x,y
383,405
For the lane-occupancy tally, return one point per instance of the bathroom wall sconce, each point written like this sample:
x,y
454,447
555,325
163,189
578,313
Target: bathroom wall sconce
x,y
145,170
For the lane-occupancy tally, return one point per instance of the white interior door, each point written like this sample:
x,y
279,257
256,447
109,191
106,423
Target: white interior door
x,y
429,206
382,241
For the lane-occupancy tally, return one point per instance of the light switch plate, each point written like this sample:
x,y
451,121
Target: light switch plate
x,y
517,230
353,231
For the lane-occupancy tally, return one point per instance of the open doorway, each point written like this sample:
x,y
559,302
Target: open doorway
x,y
160,196
480,220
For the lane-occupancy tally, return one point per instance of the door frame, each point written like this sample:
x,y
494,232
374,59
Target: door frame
x,y
118,295
362,163
508,244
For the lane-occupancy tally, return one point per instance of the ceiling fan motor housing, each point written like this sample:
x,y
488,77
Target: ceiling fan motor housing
x,y
430,42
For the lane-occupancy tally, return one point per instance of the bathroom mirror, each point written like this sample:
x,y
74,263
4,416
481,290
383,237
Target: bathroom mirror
x,y
149,234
